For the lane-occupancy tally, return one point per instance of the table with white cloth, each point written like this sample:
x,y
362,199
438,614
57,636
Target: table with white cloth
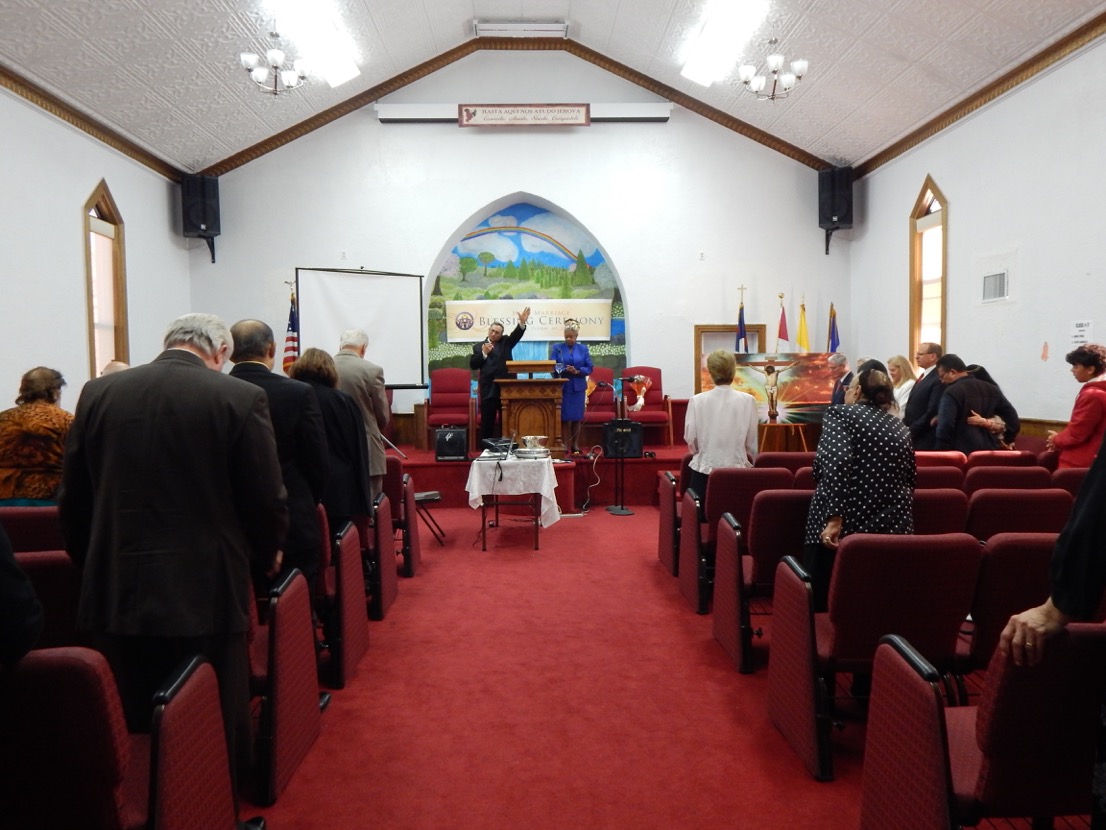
x,y
495,481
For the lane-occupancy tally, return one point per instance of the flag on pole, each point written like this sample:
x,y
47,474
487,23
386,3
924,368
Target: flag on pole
x,y
742,344
292,336
833,340
804,338
781,334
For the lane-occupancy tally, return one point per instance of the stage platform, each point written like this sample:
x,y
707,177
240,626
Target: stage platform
x,y
579,481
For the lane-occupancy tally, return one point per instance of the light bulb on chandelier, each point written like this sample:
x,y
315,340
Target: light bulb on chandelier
x,y
270,73
781,82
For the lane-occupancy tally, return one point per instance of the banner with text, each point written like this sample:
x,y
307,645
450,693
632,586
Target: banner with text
x,y
467,321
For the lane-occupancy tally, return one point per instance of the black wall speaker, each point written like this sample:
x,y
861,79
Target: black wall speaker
x,y
622,438
200,206
835,198
451,444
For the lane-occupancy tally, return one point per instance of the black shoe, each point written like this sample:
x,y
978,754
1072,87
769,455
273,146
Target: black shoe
x,y
255,823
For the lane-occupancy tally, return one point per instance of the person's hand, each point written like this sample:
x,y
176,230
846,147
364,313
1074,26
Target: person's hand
x,y
977,420
274,569
523,316
831,533
572,370
1050,439
1026,633
486,348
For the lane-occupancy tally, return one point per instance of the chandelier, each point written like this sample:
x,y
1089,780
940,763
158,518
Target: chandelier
x,y
270,73
781,82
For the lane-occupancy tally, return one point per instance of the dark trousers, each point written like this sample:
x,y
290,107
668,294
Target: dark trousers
x,y
818,562
697,481
490,409
142,665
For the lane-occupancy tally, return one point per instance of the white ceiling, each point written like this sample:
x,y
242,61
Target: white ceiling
x,y
164,73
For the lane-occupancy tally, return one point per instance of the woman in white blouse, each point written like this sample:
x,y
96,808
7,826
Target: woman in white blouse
x,y
903,377
721,424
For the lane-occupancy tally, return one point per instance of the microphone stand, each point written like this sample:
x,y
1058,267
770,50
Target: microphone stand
x,y
620,469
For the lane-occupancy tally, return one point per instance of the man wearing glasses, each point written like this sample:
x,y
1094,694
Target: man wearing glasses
x,y
925,398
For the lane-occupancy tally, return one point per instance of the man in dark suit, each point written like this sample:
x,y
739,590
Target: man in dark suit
x,y
300,438
920,414
171,491
489,358
20,610
840,365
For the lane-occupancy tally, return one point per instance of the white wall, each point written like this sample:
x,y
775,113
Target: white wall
x,y
655,195
1024,179
49,171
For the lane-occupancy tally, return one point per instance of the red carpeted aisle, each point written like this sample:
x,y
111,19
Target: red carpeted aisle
x,y
570,687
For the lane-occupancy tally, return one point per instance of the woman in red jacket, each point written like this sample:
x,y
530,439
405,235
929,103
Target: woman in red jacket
x,y
1079,441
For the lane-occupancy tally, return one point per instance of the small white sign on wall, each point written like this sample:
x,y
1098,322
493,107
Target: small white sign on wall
x,y
1082,332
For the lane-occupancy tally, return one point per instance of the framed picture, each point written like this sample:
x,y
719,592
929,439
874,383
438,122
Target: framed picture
x,y
710,338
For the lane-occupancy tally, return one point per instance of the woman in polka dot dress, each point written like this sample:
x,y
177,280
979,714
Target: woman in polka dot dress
x,y
864,469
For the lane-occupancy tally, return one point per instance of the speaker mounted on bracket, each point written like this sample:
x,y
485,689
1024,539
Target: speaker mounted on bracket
x,y
835,200
199,196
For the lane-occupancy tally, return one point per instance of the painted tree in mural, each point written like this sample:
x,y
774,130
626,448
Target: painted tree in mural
x,y
510,272
486,258
582,276
524,274
467,266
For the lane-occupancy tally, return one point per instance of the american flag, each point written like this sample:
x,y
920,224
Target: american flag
x,y
292,337
742,334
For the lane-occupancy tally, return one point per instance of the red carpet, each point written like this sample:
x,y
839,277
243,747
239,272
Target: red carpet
x,y
570,687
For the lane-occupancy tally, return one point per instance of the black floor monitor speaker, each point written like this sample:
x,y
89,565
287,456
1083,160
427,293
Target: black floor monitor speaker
x,y
622,438
200,206
451,444
835,198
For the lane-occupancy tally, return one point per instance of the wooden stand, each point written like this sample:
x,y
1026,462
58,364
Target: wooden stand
x,y
532,406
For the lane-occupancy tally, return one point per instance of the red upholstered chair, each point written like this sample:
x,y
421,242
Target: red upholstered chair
x,y
1017,754
940,458
743,585
601,402
670,489
1027,478
940,510
383,580
1013,576
190,782
401,496
290,716
66,758
32,528
1069,478
349,638
927,478
792,461
451,403
994,458
657,411
729,490
1005,510
918,586
57,583
804,479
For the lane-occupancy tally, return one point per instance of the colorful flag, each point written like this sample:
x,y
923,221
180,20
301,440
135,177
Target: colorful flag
x,y
804,338
834,339
742,344
292,337
781,334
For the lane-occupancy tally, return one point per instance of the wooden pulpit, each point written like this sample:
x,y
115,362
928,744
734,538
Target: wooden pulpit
x,y
532,406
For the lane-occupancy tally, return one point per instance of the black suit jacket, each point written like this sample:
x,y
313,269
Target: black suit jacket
x,y
839,387
495,364
301,448
348,490
921,409
171,486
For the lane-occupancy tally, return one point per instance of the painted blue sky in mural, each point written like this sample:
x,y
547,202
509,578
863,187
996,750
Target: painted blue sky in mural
x,y
524,231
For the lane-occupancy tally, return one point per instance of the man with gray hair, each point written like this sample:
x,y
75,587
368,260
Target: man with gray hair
x,y
171,493
839,364
364,382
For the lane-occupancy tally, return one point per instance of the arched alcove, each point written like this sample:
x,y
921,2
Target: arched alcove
x,y
524,248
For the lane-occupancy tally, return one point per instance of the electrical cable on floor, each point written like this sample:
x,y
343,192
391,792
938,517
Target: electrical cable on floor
x,y
595,453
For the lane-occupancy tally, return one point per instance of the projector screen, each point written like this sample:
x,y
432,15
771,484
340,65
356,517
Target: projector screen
x,y
387,306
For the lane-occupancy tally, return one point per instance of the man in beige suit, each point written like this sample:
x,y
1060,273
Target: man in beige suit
x,y
364,381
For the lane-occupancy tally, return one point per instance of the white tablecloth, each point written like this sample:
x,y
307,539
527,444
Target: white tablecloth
x,y
519,477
